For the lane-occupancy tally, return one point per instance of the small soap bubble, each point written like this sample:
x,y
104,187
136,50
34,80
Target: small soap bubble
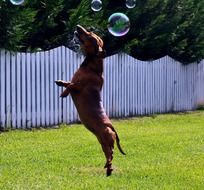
x,y
118,24
17,2
96,5
130,3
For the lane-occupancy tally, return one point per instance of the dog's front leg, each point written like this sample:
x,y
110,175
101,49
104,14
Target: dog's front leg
x,y
71,86
64,84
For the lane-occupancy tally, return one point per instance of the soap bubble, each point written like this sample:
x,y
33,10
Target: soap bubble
x,y
118,24
96,5
130,3
17,2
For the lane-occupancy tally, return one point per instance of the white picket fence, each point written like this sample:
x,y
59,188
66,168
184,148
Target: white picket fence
x,y
29,97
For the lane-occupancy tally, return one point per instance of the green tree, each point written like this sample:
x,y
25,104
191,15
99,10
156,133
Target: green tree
x,y
14,25
158,27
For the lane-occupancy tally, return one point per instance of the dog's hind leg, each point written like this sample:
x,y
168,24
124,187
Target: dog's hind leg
x,y
108,151
107,143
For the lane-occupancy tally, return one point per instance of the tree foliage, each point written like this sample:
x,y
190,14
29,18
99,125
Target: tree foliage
x,y
158,27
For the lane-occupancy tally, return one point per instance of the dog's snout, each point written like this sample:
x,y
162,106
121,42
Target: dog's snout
x,y
80,29
78,26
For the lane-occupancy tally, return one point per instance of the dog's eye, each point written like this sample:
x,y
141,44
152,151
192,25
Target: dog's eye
x,y
91,38
94,41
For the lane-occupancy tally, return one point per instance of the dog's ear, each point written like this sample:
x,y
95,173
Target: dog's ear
x,y
101,52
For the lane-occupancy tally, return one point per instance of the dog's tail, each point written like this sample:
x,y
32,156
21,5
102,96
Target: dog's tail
x,y
117,141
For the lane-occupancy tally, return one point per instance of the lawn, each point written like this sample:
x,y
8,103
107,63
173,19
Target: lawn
x,y
163,152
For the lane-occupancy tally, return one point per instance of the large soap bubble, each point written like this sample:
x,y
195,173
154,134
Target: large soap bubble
x,y
130,3
96,5
17,2
118,24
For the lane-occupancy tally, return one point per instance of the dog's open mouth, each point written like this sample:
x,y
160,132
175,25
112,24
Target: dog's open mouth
x,y
77,38
75,43
80,31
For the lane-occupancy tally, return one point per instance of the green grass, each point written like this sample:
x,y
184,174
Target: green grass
x,y
164,152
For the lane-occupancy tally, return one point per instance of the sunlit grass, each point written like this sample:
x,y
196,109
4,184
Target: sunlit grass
x,y
164,152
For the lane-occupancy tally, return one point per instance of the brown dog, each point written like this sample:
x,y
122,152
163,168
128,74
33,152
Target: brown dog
x,y
85,88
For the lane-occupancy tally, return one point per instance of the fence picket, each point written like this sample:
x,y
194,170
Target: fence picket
x,y
33,90
2,89
47,92
28,90
51,86
13,90
18,88
38,89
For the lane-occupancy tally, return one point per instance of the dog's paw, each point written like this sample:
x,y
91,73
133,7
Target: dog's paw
x,y
59,82
63,96
109,171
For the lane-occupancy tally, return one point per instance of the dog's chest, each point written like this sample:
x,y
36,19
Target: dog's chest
x,y
88,78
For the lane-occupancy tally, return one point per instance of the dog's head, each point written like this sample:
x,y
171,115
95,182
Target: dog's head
x,y
91,44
